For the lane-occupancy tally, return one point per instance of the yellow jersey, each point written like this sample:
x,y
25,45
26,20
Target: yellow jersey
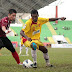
x,y
33,29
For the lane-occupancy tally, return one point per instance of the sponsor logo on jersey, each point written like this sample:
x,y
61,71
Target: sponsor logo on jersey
x,y
35,32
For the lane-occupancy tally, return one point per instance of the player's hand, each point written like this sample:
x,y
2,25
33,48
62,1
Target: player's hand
x,y
8,32
63,18
29,39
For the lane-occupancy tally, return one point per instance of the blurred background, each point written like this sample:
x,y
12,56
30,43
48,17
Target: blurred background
x,y
55,34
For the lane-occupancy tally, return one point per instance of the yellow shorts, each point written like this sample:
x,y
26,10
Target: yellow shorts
x,y
21,41
38,43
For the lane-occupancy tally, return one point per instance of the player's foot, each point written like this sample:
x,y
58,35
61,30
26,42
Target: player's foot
x,y
20,64
35,65
27,54
49,65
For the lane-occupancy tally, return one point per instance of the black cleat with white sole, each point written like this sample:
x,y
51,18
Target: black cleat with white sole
x,y
35,65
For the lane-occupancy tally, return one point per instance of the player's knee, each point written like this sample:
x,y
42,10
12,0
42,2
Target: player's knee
x,y
45,51
33,46
12,50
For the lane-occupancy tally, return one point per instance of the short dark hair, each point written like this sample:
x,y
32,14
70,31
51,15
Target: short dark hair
x,y
12,11
34,12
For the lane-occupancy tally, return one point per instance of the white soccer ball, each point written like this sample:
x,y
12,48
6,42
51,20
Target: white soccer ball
x,y
27,63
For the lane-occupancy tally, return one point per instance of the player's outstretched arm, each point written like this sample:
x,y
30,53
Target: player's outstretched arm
x,y
54,19
4,29
23,34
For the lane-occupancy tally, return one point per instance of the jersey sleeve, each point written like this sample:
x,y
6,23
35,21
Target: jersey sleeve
x,y
26,27
3,22
43,20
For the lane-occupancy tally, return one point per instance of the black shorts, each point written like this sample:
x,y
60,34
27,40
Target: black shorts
x,y
5,42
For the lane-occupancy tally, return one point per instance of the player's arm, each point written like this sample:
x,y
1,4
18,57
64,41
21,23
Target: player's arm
x,y
23,34
25,29
3,26
20,36
4,29
54,19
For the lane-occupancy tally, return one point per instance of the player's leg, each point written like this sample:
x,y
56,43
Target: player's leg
x,y
45,54
33,51
20,48
21,44
34,55
42,48
1,45
9,46
26,51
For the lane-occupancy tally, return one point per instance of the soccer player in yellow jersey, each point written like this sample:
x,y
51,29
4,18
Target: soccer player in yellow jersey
x,y
22,45
31,31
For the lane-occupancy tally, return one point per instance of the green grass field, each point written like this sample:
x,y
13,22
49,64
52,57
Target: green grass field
x,y
60,58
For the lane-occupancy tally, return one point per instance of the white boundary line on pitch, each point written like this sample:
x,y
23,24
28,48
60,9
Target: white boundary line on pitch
x,y
64,48
5,55
23,55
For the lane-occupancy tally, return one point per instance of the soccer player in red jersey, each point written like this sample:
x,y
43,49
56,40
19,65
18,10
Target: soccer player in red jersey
x,y
4,41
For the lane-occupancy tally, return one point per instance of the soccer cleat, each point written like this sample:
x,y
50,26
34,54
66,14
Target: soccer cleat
x,y
27,54
35,65
49,65
20,64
